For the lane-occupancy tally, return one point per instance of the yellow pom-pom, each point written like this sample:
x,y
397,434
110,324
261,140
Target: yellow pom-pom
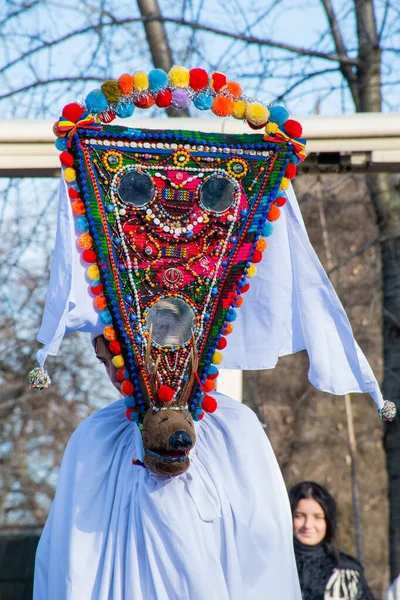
x,y
251,271
284,183
93,272
69,174
140,81
179,76
217,358
271,128
257,114
239,109
118,361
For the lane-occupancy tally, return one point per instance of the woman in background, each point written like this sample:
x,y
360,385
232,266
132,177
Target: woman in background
x,y
325,573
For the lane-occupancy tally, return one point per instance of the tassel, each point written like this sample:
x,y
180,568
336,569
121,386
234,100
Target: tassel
x,y
388,412
39,379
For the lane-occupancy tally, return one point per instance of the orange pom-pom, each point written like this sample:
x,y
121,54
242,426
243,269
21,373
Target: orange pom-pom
x,y
109,333
234,89
126,388
209,385
239,302
198,79
78,207
125,83
261,245
293,128
222,106
144,101
228,329
218,81
100,303
85,241
209,404
274,213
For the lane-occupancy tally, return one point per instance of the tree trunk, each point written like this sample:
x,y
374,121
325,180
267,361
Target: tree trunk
x,y
158,44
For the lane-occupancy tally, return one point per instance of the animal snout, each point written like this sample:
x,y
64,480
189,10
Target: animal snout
x,y
180,440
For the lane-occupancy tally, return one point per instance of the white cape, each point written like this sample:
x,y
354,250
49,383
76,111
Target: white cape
x,y
221,531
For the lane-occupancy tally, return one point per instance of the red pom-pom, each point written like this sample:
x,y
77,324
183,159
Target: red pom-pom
x,y
165,393
164,98
129,412
121,374
245,288
218,81
96,289
115,348
144,101
291,171
73,193
222,343
66,159
280,201
89,256
198,79
256,126
73,111
209,404
257,257
293,128
126,388
213,375
200,416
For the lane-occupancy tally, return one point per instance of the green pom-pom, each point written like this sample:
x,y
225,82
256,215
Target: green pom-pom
x,y
39,379
111,90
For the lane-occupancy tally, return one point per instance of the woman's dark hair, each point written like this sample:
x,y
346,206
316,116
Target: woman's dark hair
x,y
317,492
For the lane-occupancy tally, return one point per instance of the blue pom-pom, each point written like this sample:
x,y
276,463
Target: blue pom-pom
x,y
61,143
212,370
105,316
124,110
158,80
278,115
295,159
267,229
96,101
82,224
232,315
203,101
129,402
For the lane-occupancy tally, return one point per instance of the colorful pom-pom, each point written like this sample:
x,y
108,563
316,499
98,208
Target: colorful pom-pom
x,y
284,183
216,358
203,101
251,271
271,128
89,256
245,288
291,171
164,98
39,379
61,143
222,343
144,101
218,81
179,76
96,101
209,385
96,289
115,348
93,272
212,372
78,207
85,241
239,109
278,115
124,110
293,128
100,303
111,90
165,393
222,106
82,224
257,257
69,174
227,329
199,415
257,114
66,159
274,213
118,361
233,89
106,317
209,404
127,388
129,402
57,132
180,99
125,83
132,414
231,315
109,333
267,229
280,201
73,111
107,116
121,375
261,244
140,81
158,80
238,303
388,411
198,79
73,193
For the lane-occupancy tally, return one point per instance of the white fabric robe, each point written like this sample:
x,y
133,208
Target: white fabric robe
x,y
221,531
